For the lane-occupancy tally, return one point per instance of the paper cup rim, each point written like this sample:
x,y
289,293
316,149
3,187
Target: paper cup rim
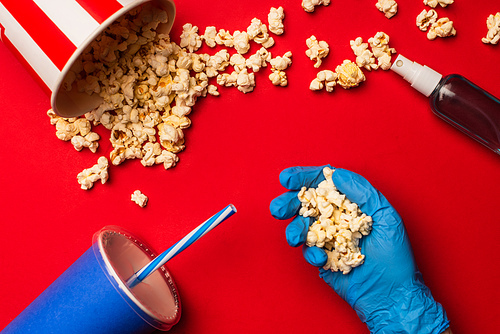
x,y
121,287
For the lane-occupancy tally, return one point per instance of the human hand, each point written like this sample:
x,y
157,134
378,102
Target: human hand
x,y
387,291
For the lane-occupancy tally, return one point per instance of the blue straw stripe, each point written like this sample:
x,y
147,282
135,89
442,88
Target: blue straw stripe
x,y
197,235
182,244
157,262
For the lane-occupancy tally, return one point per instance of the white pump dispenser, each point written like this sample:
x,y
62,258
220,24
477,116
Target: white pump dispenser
x,y
422,78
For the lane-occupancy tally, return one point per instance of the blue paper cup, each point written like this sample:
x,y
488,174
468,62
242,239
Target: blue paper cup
x,y
91,295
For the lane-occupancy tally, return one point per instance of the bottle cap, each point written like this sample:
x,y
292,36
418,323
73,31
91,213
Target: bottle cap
x,y
422,78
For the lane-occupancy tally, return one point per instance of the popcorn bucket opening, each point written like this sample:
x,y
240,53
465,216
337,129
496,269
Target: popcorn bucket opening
x,y
51,39
67,99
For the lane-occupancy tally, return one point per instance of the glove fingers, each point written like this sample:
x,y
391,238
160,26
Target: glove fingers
x,y
360,191
314,255
296,231
294,178
285,206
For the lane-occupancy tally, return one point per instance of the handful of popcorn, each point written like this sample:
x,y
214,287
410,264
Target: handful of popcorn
x,y
339,224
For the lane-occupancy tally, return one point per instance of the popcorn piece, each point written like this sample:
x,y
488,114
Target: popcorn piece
x,y
426,18
226,79
381,50
190,37
325,78
275,20
68,128
364,57
176,121
309,5
225,38
257,31
53,116
258,60
168,159
212,90
254,29
441,28
278,66
139,198
241,41
493,25
238,62
316,84
83,125
171,138
388,7
434,3
90,140
278,78
316,50
329,78
217,63
89,176
282,63
199,62
338,224
150,152
349,74
245,81
209,36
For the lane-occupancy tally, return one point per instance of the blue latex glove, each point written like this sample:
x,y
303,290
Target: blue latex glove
x,y
386,291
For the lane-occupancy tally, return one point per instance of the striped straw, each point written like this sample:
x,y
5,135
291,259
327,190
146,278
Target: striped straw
x,y
182,244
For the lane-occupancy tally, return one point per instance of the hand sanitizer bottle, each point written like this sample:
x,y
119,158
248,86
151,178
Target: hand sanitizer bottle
x,y
456,100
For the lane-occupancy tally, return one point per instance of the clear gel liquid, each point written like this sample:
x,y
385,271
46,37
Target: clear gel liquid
x,y
469,108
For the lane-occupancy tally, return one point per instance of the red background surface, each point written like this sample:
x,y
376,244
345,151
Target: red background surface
x,y
243,277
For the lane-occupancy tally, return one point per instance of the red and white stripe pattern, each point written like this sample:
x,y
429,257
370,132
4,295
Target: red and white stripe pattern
x,y
47,33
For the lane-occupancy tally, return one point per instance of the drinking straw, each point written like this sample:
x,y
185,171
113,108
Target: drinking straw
x,y
180,245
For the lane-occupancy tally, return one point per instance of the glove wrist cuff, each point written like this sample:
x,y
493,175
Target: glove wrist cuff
x,y
413,311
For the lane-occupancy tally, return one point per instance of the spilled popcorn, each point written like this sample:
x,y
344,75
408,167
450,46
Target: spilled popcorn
x,y
316,50
275,19
364,57
325,78
493,25
339,224
434,3
89,176
278,66
441,28
149,84
426,19
139,198
349,74
310,5
388,7
77,130
381,50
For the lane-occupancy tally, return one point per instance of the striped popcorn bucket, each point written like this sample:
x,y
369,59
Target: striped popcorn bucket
x,y
48,36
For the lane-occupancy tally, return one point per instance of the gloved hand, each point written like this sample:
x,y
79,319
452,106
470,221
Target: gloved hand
x,y
386,291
